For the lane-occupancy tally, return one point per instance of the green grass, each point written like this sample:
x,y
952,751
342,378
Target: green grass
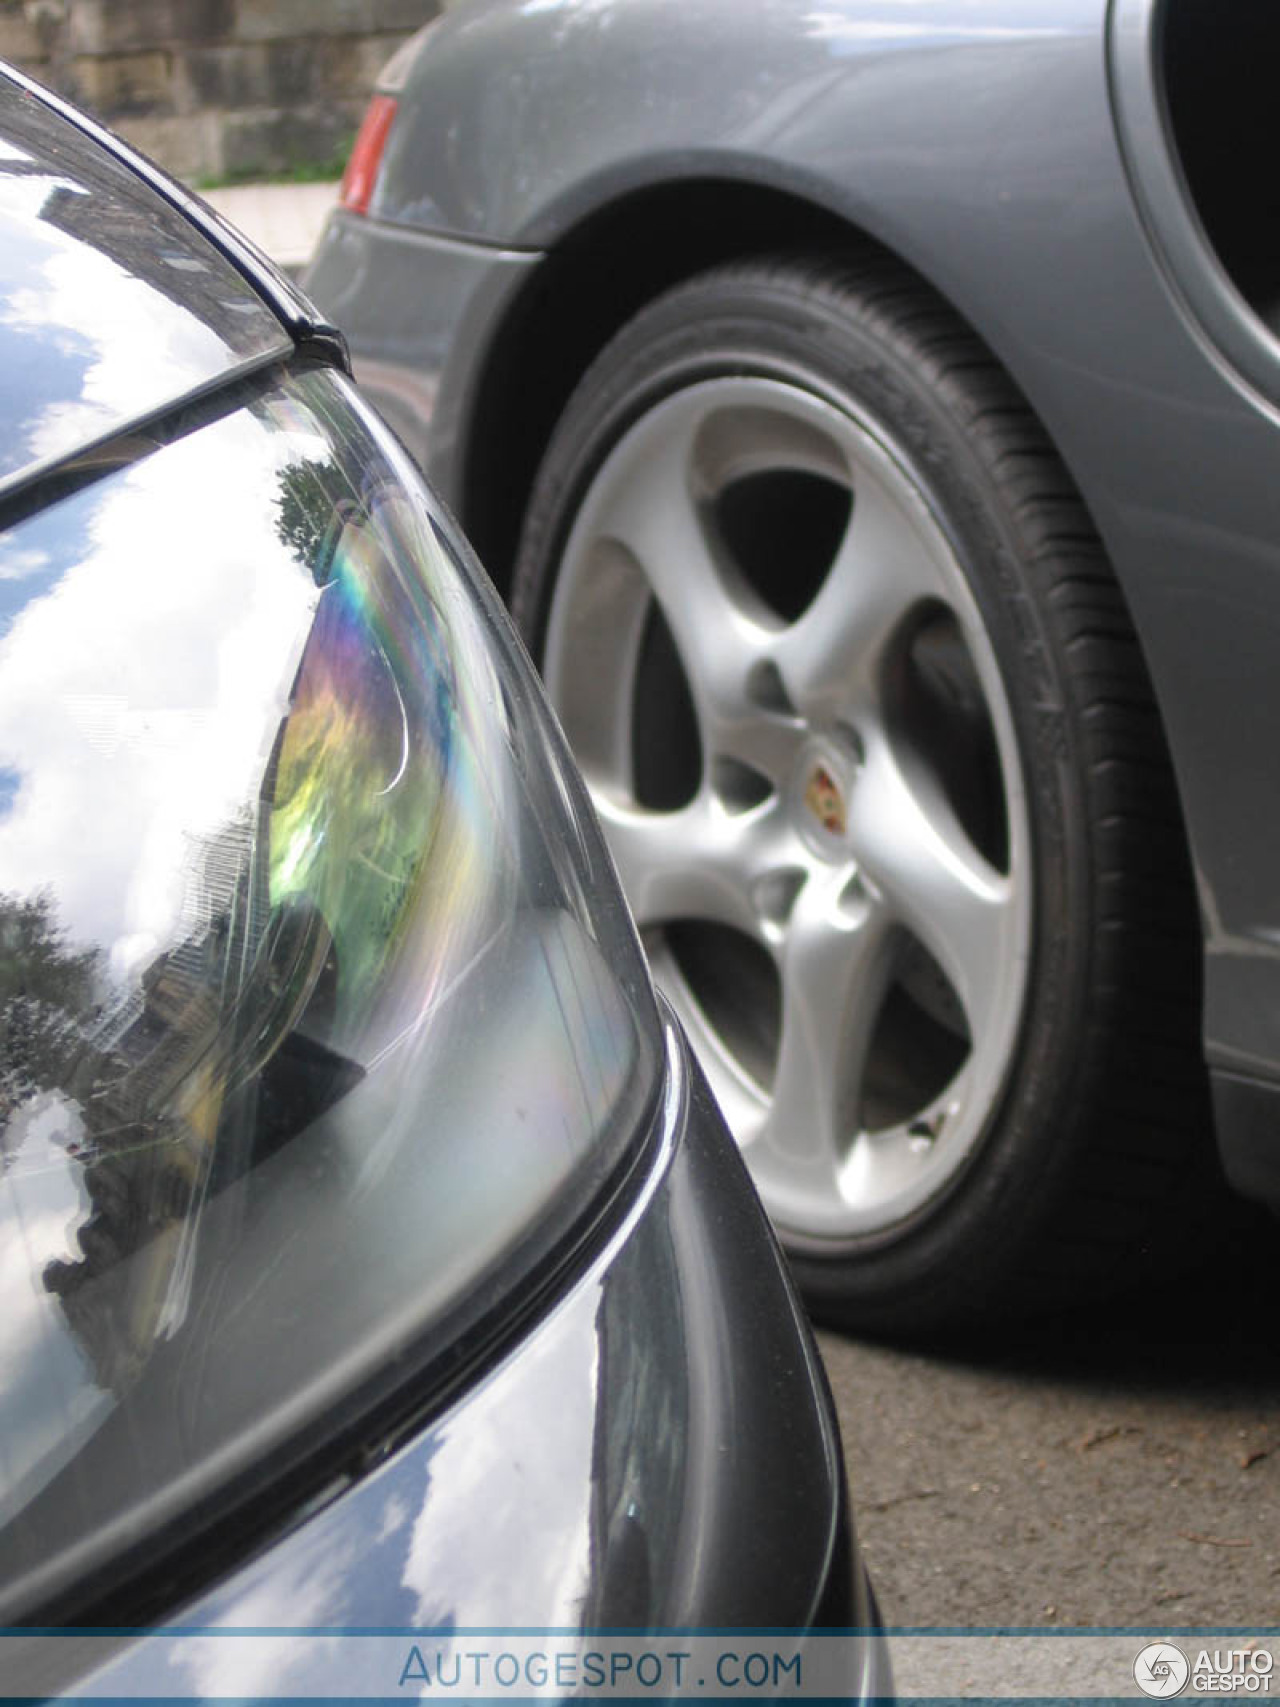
x,y
323,171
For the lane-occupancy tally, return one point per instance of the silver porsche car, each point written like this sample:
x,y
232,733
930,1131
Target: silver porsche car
x,y
871,411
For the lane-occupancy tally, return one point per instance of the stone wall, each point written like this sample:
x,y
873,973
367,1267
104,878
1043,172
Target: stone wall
x,y
216,89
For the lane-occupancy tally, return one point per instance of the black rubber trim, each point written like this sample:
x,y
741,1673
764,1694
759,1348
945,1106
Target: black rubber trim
x,y
45,483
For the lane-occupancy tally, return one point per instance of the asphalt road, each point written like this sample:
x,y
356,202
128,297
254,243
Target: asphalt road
x,y
1117,1467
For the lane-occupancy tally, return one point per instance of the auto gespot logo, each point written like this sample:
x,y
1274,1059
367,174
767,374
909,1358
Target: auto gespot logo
x,y
1163,1670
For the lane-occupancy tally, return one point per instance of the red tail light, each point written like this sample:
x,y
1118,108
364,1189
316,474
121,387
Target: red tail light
x,y
366,157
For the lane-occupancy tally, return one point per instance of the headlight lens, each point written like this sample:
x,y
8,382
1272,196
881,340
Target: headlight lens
x,y
318,1038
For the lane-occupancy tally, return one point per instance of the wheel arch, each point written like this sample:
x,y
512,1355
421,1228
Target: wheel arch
x,y
603,269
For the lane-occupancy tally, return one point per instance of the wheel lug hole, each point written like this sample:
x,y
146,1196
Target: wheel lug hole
x,y
855,900
852,741
766,688
738,786
774,895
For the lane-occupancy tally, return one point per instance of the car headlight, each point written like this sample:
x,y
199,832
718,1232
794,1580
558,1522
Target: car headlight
x,y
321,1032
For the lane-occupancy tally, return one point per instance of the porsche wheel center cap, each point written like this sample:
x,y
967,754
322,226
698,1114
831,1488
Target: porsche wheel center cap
x,y
820,801
824,800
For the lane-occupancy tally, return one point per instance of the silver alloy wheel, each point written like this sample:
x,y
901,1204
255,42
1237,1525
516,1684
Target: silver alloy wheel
x,y
823,829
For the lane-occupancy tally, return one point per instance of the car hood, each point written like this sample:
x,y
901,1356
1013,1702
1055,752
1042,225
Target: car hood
x,y
113,305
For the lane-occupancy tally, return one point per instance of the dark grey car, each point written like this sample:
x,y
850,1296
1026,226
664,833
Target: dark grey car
x,y
870,412
372,1256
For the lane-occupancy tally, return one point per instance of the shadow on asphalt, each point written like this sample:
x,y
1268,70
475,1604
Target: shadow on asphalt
x,y
1212,1328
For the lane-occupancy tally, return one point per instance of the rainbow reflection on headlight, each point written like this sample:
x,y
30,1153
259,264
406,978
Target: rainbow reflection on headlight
x,y
382,819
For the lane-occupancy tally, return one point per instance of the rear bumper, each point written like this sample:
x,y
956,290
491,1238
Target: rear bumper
x,y
417,311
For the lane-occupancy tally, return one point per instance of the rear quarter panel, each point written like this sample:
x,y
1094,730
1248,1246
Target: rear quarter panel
x,y
976,139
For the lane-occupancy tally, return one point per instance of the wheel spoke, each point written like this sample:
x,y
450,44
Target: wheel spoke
x,y
720,634
885,564
835,967
914,851
698,863
765,741
656,517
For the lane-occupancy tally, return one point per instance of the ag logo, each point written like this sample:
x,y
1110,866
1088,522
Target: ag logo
x,y
1161,1670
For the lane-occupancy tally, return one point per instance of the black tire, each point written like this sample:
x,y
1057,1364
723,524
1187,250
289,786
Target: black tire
x,y
1098,1137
